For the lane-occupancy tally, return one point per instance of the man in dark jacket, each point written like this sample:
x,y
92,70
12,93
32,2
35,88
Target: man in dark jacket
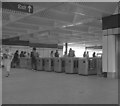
x,y
34,56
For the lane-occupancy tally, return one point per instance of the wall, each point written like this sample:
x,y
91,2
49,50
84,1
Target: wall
x,y
43,52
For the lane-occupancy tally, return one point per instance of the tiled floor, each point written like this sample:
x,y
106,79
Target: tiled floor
x,y
27,87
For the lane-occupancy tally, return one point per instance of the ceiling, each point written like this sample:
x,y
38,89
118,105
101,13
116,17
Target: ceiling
x,y
58,22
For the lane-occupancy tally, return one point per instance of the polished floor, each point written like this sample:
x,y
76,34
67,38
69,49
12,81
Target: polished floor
x,y
28,87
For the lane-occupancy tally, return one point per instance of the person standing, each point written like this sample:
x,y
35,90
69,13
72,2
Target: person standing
x,y
7,58
51,54
56,53
34,56
94,54
16,59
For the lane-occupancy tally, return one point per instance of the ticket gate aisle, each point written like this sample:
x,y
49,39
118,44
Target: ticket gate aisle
x,y
48,64
58,65
87,66
28,63
40,64
63,63
71,65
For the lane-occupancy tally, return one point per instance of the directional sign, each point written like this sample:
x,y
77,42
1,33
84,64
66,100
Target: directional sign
x,y
15,6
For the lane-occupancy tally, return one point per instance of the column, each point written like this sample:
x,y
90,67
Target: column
x,y
66,48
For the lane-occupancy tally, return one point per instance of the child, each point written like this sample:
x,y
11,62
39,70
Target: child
x,y
7,57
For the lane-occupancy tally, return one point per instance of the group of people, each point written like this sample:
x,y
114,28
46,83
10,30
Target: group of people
x,y
86,54
56,54
9,59
70,54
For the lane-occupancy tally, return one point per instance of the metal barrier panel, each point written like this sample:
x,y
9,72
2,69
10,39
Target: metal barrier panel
x,y
83,66
40,64
58,65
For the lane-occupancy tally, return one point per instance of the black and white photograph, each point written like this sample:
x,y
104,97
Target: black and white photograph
x,y
59,52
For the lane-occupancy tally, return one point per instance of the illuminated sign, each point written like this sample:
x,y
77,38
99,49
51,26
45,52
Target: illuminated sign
x,y
15,6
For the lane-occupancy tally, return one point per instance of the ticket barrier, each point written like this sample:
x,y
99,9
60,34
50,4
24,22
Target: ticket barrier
x,y
92,66
58,65
48,64
40,64
87,66
71,65
23,62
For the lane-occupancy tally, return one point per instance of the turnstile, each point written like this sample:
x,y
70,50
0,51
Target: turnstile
x,y
87,66
92,66
82,66
70,65
48,64
58,65
40,64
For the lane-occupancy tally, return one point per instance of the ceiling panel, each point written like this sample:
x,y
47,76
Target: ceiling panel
x,y
14,30
78,28
56,15
37,21
23,26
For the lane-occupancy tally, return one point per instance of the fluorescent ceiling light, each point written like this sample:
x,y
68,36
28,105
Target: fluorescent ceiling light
x,y
79,13
72,24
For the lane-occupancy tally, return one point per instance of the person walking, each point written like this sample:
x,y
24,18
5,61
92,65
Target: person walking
x,y
7,58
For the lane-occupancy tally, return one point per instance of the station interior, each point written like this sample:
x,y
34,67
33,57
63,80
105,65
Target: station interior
x,y
49,26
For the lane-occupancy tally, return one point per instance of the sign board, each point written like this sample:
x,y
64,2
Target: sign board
x,y
15,6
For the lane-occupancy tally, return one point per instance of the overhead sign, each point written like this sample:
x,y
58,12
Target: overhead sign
x,y
94,47
15,6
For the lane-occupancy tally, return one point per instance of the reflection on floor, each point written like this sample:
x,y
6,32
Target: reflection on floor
x,y
28,87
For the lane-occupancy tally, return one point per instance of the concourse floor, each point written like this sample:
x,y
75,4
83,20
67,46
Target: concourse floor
x,y
28,87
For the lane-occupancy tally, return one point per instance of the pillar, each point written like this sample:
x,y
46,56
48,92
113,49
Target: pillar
x,y
109,55
66,48
111,30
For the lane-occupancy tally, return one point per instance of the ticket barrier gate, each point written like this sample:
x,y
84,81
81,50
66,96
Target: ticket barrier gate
x,y
40,64
87,66
58,65
82,66
71,65
92,66
48,64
